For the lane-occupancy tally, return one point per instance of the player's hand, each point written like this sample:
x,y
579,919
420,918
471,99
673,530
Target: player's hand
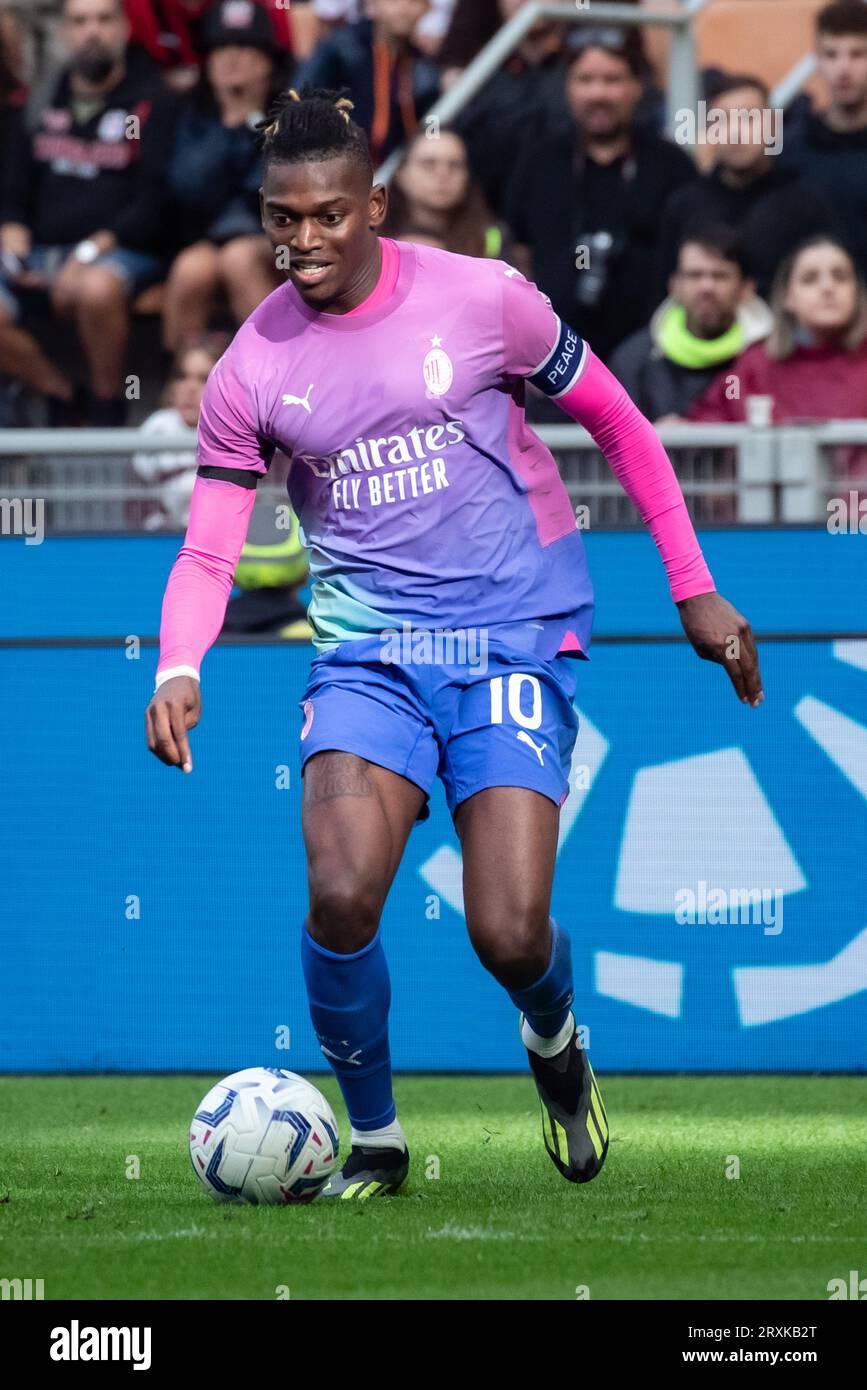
x,y
174,709
719,633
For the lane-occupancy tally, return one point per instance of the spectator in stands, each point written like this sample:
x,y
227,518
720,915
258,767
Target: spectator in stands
x,y
523,95
586,202
215,172
305,26
830,150
170,31
391,83
712,315
432,193
12,97
174,470
769,206
432,28
813,366
193,12
84,203
332,13
427,35
13,93
163,29
473,23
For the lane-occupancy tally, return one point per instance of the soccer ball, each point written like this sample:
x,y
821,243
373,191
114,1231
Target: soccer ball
x,y
263,1136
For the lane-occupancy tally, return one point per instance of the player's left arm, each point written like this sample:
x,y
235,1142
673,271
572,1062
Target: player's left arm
x,y
717,631
568,371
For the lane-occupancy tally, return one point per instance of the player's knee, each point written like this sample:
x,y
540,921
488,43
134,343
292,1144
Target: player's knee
x,y
515,951
344,915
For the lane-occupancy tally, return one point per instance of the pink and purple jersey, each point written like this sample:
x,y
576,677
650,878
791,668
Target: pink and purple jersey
x,y
423,495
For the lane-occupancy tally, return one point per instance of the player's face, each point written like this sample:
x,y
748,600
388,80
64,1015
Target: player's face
x,y
823,290
709,288
601,93
435,174
843,63
324,215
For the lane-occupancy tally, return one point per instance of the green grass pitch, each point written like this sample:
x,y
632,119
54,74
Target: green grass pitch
x,y
662,1221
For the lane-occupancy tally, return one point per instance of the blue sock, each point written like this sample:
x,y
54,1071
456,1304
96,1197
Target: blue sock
x,y
349,998
545,1004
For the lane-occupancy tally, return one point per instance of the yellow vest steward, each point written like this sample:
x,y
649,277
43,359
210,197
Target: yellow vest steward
x,y
280,564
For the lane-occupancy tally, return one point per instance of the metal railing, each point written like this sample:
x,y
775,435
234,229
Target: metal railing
x,y
729,474
682,86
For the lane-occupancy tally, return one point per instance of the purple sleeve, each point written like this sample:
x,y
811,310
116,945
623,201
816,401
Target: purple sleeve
x,y
229,436
232,456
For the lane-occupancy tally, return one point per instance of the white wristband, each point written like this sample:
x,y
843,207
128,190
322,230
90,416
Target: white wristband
x,y
171,671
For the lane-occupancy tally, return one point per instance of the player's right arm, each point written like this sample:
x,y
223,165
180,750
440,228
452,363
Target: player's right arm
x,y
232,457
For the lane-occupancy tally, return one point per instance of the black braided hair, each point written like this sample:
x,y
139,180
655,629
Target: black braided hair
x,y
314,125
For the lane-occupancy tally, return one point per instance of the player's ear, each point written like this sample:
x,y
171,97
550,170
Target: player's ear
x,y
262,208
377,206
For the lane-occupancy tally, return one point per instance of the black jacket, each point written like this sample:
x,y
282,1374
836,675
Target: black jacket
x,y
214,173
771,216
836,165
556,198
509,110
66,179
657,385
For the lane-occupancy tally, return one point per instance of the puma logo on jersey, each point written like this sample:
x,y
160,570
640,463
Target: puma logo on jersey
x,y
300,400
538,748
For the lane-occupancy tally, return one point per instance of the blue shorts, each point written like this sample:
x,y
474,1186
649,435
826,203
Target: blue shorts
x,y
505,721
137,269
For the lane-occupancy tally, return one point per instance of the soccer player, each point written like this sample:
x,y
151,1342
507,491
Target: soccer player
x,y
393,376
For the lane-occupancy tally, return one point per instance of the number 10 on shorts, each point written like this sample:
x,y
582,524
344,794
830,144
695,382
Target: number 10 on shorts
x,y
515,699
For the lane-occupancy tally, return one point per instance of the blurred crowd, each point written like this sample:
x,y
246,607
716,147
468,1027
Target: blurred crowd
x,y
129,161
